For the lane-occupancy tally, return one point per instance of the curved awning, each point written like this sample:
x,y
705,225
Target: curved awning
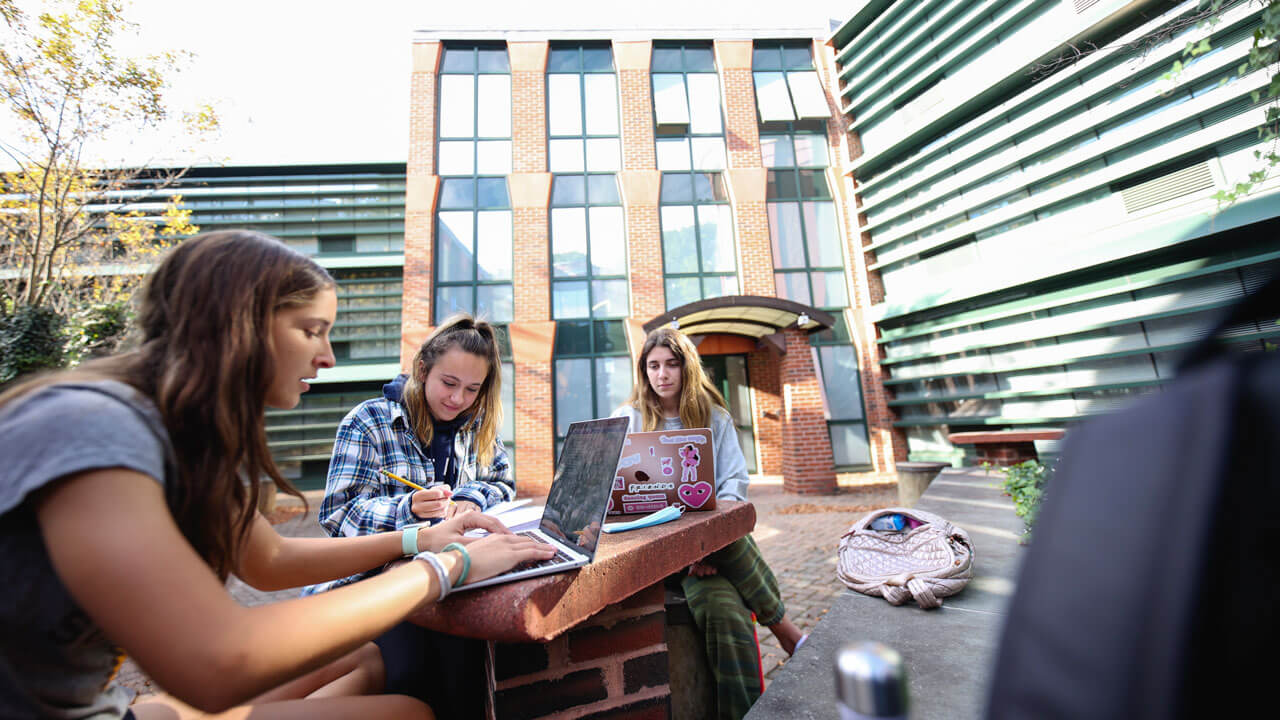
x,y
753,316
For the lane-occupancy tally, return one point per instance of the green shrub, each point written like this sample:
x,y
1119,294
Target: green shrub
x,y
1025,483
31,339
98,330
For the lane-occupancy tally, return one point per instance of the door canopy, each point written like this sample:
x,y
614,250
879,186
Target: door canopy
x,y
751,316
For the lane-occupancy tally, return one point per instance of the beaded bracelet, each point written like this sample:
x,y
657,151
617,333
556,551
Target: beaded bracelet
x,y
442,575
466,560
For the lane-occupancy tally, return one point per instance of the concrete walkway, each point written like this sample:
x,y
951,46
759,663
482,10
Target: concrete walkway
x,y
797,534
947,652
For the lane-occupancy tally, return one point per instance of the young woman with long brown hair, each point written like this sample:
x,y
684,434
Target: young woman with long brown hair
x,y
124,506
724,589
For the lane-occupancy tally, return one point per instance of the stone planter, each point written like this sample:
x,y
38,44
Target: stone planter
x,y
914,479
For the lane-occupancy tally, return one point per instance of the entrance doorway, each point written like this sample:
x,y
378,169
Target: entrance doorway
x,y
729,375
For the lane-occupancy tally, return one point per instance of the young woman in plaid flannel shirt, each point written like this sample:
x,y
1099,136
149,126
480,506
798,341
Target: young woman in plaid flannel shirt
x,y
437,426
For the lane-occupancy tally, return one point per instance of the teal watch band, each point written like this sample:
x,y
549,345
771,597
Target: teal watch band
x,y
409,541
466,560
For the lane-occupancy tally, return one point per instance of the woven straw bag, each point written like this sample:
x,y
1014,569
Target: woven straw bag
x,y
927,563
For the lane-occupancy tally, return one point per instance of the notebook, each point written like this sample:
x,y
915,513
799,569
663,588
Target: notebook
x,y
576,502
662,468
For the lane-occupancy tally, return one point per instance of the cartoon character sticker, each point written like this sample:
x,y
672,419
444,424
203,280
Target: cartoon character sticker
x,y
689,459
667,470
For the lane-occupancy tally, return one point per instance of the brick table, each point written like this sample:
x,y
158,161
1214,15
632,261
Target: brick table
x,y
589,642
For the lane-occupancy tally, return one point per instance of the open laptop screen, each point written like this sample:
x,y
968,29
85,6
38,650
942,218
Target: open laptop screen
x,y
580,490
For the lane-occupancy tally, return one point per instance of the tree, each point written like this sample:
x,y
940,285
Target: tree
x,y
76,235
73,231
1264,56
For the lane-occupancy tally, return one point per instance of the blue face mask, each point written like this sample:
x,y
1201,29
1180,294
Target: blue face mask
x,y
666,514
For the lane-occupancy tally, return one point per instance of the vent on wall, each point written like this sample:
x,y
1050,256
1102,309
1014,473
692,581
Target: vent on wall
x,y
1082,5
1167,187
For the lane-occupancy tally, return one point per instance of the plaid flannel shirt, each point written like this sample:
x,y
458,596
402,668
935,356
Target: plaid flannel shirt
x,y
359,500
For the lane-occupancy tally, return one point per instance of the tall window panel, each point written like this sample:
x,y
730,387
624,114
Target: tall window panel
x,y
582,110
807,260
588,297
699,258
837,360
588,235
473,263
786,82
687,112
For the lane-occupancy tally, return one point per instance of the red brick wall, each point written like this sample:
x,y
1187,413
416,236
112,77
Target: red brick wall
x,y
762,372
420,197
613,665
528,106
533,427
806,447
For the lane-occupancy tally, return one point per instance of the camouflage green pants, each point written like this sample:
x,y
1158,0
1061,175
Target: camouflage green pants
x,y
721,605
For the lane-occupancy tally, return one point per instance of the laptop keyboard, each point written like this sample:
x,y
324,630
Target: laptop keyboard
x,y
559,558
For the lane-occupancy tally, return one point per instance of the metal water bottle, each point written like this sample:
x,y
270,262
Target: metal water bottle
x,y
870,682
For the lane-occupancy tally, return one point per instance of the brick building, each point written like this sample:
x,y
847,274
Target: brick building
x,y
580,192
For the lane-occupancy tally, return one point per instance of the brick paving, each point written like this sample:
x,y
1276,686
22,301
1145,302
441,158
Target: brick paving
x,y
797,534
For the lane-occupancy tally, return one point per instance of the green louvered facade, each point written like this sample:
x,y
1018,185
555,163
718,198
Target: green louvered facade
x,y
1039,229
350,218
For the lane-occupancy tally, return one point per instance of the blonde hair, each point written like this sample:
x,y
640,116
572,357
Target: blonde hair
x,y
698,395
478,338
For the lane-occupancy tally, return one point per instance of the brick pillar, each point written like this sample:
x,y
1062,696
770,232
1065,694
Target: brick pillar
x,y
635,92
644,242
532,333
613,665
763,369
528,106
420,200
742,134
888,444
806,448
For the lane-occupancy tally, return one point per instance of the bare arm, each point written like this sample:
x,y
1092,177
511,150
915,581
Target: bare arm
x,y
123,559
272,562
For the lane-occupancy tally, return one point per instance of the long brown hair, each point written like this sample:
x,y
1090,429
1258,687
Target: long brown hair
x,y
204,358
698,395
478,338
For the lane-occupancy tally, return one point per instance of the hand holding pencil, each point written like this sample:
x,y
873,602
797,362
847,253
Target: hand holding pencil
x,y
432,501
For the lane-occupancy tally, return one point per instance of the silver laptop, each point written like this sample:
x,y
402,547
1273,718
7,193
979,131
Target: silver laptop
x,y
577,501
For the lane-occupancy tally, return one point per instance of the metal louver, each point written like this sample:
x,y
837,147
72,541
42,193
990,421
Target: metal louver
x,y
1167,187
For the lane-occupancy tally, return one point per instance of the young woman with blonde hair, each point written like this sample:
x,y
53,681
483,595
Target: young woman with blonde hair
x,y
725,588
124,506
436,426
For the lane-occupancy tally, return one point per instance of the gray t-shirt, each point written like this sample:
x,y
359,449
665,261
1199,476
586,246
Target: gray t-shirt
x,y
54,661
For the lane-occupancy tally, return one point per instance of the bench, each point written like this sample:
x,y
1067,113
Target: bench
x,y
1004,448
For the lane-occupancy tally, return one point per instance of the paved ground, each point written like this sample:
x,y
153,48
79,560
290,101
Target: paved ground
x,y
798,535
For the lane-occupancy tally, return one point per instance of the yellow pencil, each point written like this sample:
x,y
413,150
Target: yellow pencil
x,y
410,483
397,478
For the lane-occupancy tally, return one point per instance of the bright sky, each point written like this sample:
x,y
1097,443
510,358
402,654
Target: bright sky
x,y
303,81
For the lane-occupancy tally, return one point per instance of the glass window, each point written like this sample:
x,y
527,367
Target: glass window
x,y
808,96
699,254
473,246
689,127
669,102
837,363
806,237
773,101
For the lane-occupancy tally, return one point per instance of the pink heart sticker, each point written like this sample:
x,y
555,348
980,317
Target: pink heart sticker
x,y
695,495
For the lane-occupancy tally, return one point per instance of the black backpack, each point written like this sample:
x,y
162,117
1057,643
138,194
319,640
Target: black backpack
x,y
1150,586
